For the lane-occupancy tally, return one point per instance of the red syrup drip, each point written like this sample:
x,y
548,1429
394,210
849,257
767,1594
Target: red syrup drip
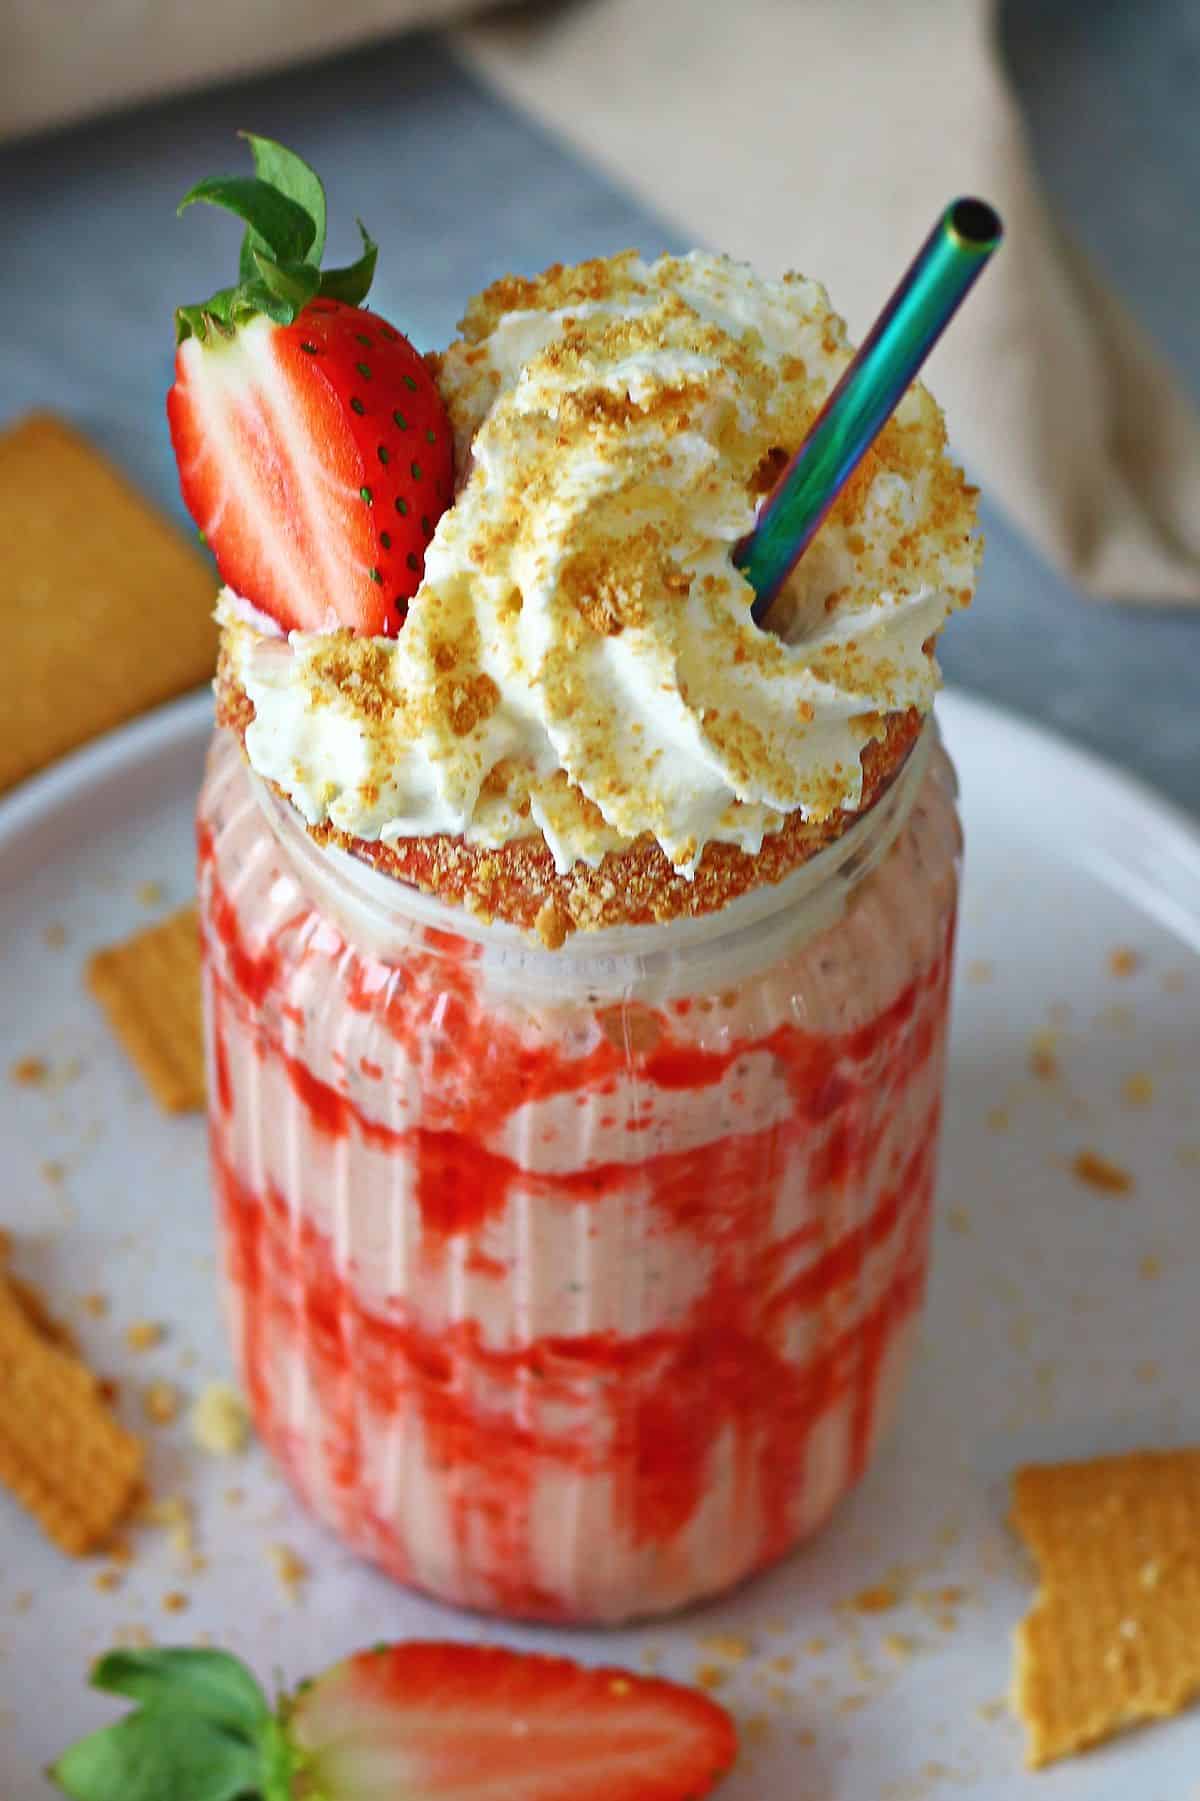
x,y
650,1410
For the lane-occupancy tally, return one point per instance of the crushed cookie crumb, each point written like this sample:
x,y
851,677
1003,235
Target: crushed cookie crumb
x,y
1043,1056
160,1403
30,1072
291,1571
723,1644
880,1598
150,894
175,1601
54,935
1123,962
220,1420
144,1334
1137,1090
1095,1171
95,1305
710,1675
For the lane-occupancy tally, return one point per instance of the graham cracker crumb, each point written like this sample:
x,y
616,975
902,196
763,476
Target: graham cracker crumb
x,y
552,925
1123,962
723,1645
96,1305
1150,1269
1095,1171
710,1676
52,1173
160,1403
879,1599
900,1646
958,1220
220,1422
980,972
1137,1090
174,1601
30,1072
54,935
1043,1056
22,1600
144,1334
997,1119
150,894
106,1580
291,1571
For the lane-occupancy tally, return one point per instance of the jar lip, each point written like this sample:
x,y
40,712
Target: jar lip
x,y
383,905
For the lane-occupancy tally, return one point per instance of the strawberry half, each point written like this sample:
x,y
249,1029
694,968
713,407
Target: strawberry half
x,y
314,451
410,1722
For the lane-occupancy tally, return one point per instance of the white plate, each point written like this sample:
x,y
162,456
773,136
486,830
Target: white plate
x,y
1061,1320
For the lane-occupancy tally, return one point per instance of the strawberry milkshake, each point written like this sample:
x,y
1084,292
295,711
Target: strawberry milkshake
x,y
576,952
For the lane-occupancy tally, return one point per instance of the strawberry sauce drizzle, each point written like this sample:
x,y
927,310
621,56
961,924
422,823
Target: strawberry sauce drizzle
x,y
790,1330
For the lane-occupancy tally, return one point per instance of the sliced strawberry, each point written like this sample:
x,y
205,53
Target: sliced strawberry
x,y
314,451
450,1722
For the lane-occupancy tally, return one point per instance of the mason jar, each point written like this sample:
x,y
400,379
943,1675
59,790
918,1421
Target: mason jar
x,y
575,1284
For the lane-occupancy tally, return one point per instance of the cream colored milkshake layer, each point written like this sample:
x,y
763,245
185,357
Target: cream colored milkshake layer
x,y
712,1161
580,660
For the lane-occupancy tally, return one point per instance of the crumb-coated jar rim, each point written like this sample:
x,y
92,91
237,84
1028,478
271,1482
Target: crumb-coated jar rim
x,y
389,918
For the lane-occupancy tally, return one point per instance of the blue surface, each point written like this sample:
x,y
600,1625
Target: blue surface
x,y
458,189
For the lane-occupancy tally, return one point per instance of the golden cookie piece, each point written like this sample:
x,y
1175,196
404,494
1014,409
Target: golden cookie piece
x,y
62,1453
149,987
105,610
1113,1636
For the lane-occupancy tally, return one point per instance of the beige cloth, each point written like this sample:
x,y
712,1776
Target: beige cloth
x,y
818,134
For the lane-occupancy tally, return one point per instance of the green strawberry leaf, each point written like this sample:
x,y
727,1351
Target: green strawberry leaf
x,y
160,1753
353,282
293,282
282,224
211,1685
290,175
283,206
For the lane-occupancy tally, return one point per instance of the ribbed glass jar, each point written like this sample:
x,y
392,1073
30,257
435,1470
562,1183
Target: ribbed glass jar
x,y
574,1284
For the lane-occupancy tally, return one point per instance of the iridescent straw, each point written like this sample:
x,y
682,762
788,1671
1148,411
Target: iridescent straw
x,y
911,323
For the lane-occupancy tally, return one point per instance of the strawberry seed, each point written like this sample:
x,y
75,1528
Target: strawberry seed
x,y
366,494
356,406
402,507
416,471
383,453
401,421
364,369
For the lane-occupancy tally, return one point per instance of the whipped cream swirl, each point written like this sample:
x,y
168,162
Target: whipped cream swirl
x,y
580,659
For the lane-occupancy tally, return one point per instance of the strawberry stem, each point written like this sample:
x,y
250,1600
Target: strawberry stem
x,y
283,207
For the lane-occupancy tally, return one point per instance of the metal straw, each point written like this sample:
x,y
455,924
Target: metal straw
x,y
939,279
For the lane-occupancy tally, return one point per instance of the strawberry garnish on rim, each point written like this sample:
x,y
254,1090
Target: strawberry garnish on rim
x,y
407,1722
314,449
